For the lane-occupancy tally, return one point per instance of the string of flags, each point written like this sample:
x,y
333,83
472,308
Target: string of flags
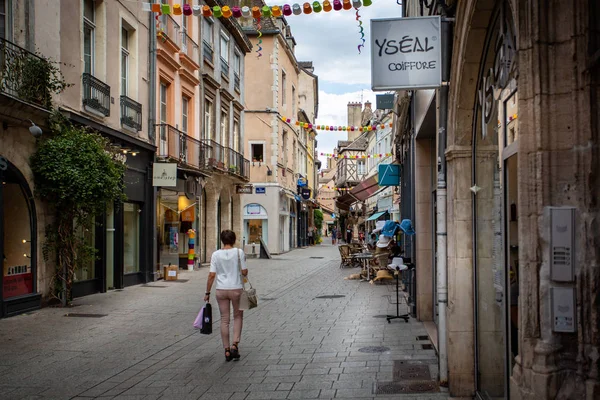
x,y
357,157
510,118
255,12
307,125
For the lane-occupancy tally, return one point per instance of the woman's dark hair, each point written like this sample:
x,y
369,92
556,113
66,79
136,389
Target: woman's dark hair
x,y
228,237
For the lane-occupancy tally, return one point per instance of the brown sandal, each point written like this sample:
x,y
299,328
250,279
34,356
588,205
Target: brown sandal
x,y
235,353
228,354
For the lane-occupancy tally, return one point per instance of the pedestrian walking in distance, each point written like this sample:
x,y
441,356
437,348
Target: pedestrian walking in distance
x,y
227,266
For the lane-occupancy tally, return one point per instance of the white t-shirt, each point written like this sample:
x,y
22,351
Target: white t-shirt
x,y
225,264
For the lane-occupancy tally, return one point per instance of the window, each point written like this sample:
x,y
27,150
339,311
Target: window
x,y
284,148
124,60
237,66
185,102
257,150
163,103
163,119
283,84
294,101
224,129
236,135
208,112
224,48
207,27
361,167
89,26
5,21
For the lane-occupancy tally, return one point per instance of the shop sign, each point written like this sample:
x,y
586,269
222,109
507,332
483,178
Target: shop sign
x,y
17,285
389,174
302,182
305,193
406,53
243,189
260,190
384,102
164,174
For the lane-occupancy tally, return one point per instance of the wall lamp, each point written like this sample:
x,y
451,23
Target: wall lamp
x,y
26,241
269,172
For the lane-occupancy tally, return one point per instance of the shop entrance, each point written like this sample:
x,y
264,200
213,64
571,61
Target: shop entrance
x,y
18,242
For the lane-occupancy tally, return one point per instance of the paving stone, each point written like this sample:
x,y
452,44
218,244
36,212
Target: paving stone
x,y
304,394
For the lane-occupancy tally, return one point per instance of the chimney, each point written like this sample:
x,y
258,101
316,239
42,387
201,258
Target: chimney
x,y
367,104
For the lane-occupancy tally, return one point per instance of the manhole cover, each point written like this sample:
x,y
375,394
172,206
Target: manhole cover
x,y
330,296
81,315
379,316
424,337
411,372
154,286
316,257
374,349
405,387
427,346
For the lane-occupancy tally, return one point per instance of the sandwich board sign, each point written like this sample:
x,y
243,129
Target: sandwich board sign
x,y
406,53
389,174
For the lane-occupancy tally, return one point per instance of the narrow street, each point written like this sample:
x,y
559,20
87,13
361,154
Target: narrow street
x,y
139,342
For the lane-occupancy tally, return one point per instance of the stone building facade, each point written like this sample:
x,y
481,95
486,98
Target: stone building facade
x,y
521,151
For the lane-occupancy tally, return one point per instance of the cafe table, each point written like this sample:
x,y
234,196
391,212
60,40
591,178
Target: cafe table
x,y
364,258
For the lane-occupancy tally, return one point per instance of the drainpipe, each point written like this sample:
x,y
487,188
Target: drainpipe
x,y
442,245
152,138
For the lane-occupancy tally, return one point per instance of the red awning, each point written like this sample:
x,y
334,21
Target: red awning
x,y
365,189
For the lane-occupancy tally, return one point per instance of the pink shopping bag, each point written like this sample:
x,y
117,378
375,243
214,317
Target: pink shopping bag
x,y
199,318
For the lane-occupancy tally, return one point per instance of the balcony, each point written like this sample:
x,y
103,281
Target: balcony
x,y
227,160
96,95
131,113
207,51
24,75
170,30
190,49
236,82
224,68
177,145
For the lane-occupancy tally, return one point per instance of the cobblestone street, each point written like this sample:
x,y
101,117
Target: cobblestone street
x,y
139,342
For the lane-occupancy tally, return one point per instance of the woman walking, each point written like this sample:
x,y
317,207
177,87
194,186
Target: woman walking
x,y
227,265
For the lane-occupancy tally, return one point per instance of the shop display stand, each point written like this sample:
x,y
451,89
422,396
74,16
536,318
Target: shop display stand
x,y
403,316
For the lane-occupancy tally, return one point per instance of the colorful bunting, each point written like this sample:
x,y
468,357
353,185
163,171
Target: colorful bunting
x,y
265,12
357,157
333,128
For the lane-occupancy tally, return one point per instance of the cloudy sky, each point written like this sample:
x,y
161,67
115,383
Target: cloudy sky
x,y
330,41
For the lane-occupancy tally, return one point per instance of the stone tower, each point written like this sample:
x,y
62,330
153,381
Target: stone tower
x,y
354,118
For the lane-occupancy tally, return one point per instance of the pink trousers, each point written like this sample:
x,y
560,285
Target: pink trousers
x,y
224,297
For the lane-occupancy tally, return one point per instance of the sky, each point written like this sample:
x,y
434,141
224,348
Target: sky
x,y
330,41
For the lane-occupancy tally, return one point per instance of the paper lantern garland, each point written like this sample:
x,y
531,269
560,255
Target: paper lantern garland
x,y
357,157
256,12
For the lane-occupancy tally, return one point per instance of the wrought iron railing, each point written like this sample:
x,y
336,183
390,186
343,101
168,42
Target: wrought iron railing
x,y
96,94
236,81
170,29
174,144
189,47
224,67
24,75
207,51
226,159
131,113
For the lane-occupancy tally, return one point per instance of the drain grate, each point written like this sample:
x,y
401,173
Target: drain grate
x,y
410,372
427,346
268,298
374,349
83,315
423,337
330,296
154,286
379,316
405,387
317,257
181,280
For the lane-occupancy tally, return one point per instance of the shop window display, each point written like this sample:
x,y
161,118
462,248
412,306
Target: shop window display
x,y
131,235
176,216
17,272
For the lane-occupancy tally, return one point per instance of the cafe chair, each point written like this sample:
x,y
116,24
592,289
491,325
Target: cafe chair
x,y
346,257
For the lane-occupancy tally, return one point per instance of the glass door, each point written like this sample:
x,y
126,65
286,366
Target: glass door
x,y
110,248
131,238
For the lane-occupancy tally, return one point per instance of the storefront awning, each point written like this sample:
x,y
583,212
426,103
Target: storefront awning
x,y
375,216
365,189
